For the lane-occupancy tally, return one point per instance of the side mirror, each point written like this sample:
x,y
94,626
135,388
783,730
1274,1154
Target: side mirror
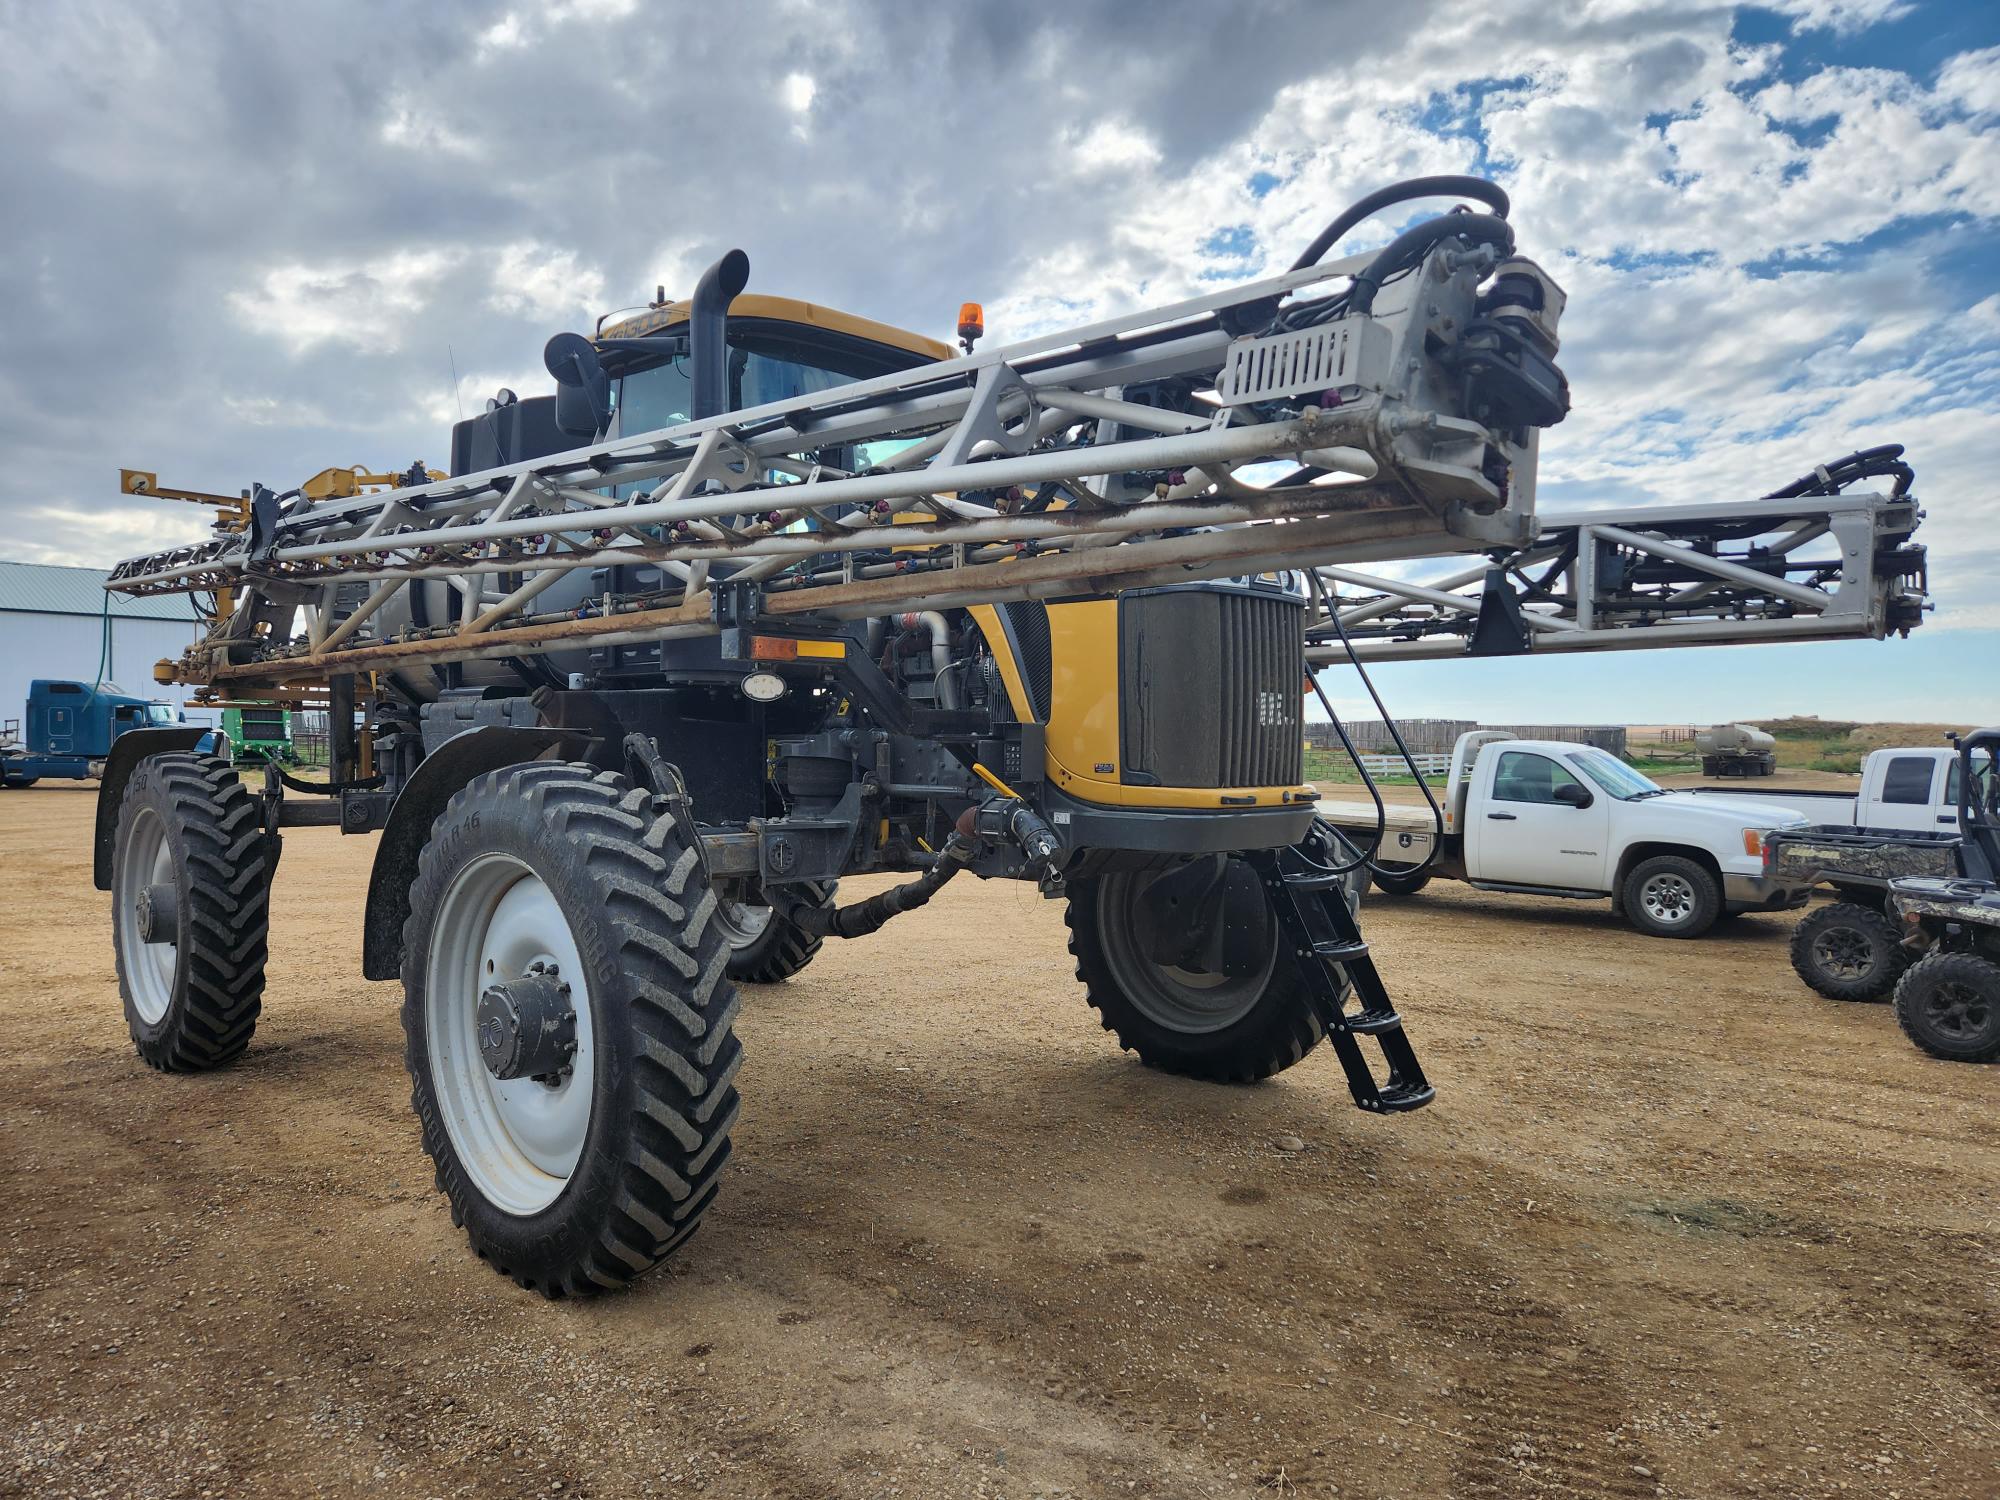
x,y
583,390
1572,795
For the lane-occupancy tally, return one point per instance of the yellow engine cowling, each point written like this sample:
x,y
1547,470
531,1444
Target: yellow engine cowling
x,y
1174,698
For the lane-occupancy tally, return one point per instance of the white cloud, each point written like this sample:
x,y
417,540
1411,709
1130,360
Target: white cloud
x,y
544,284
1841,16
1973,80
411,125
367,305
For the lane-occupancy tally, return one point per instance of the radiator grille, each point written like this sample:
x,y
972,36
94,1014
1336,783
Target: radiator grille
x,y
1028,621
1212,688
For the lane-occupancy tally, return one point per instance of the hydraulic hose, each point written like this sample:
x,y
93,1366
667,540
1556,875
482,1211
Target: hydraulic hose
x,y
1415,242
1476,188
1833,477
864,917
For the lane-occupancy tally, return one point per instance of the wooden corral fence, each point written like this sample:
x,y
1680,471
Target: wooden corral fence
x,y
1437,736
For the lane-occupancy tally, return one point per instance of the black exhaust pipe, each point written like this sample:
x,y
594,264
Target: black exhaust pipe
x,y
708,327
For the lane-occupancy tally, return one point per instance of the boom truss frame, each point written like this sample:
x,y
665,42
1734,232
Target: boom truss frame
x,y
1711,573
1026,473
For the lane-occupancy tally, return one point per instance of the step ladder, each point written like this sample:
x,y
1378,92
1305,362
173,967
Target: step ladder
x,y
1316,924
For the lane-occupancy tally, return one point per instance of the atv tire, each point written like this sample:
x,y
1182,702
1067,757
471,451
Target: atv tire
x,y
1848,951
1949,1005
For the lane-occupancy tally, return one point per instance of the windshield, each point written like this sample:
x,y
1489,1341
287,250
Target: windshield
x,y
659,397
160,713
664,395
1612,774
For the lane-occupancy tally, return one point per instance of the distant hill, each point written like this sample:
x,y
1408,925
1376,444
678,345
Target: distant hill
x,y
1809,743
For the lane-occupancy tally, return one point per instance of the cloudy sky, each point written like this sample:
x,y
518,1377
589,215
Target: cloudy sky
x,y
249,241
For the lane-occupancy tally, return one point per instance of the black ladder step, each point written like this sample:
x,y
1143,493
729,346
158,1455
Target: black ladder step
x,y
1400,1097
1341,949
1315,882
1372,1022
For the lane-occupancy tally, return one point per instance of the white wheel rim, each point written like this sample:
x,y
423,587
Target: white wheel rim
x,y
1668,899
741,923
518,1139
149,967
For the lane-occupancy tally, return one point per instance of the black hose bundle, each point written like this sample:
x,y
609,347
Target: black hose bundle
x,y
1406,250
1478,188
1868,463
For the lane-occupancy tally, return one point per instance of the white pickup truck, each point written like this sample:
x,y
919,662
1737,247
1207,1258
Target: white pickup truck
x,y
1550,818
1913,790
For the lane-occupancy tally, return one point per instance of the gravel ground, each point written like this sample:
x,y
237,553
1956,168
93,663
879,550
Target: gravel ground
x,y
1675,1226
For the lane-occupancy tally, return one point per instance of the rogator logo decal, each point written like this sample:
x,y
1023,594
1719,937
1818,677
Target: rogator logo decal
x,y
1274,708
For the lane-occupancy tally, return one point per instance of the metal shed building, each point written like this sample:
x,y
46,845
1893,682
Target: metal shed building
x,y
52,622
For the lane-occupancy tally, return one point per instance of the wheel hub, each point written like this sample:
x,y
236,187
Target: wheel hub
x,y
1843,952
527,1026
158,913
1957,1010
1668,898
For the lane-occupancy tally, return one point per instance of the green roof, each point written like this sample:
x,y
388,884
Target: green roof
x,y
47,589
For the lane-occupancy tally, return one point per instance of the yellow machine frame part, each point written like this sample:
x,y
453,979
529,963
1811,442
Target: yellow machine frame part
x,y
785,310
1082,734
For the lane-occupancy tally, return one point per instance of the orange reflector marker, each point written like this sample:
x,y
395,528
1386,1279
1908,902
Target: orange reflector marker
x,y
784,648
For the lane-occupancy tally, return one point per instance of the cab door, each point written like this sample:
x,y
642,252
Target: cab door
x,y
1539,824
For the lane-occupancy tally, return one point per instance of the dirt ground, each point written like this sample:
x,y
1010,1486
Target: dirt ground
x,y
1675,1226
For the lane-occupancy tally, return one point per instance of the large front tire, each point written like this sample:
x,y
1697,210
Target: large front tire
x,y
1207,1026
190,911
581,1172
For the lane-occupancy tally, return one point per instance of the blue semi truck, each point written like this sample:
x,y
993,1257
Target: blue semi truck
x,y
70,727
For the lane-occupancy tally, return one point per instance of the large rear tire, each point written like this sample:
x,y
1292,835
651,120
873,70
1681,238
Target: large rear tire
x,y
766,947
1949,1005
1848,951
1199,1025
190,911
569,1024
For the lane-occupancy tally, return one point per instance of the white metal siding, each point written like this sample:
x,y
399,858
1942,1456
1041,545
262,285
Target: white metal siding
x,y
66,646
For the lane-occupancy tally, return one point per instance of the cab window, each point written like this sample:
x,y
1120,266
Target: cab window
x,y
1908,780
1982,780
1523,776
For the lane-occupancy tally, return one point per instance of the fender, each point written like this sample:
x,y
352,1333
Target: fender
x,y
131,747
436,781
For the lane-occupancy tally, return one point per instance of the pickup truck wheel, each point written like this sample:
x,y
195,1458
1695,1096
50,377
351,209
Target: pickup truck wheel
x,y
1847,951
1671,896
1949,1005
766,948
1391,883
1211,1026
